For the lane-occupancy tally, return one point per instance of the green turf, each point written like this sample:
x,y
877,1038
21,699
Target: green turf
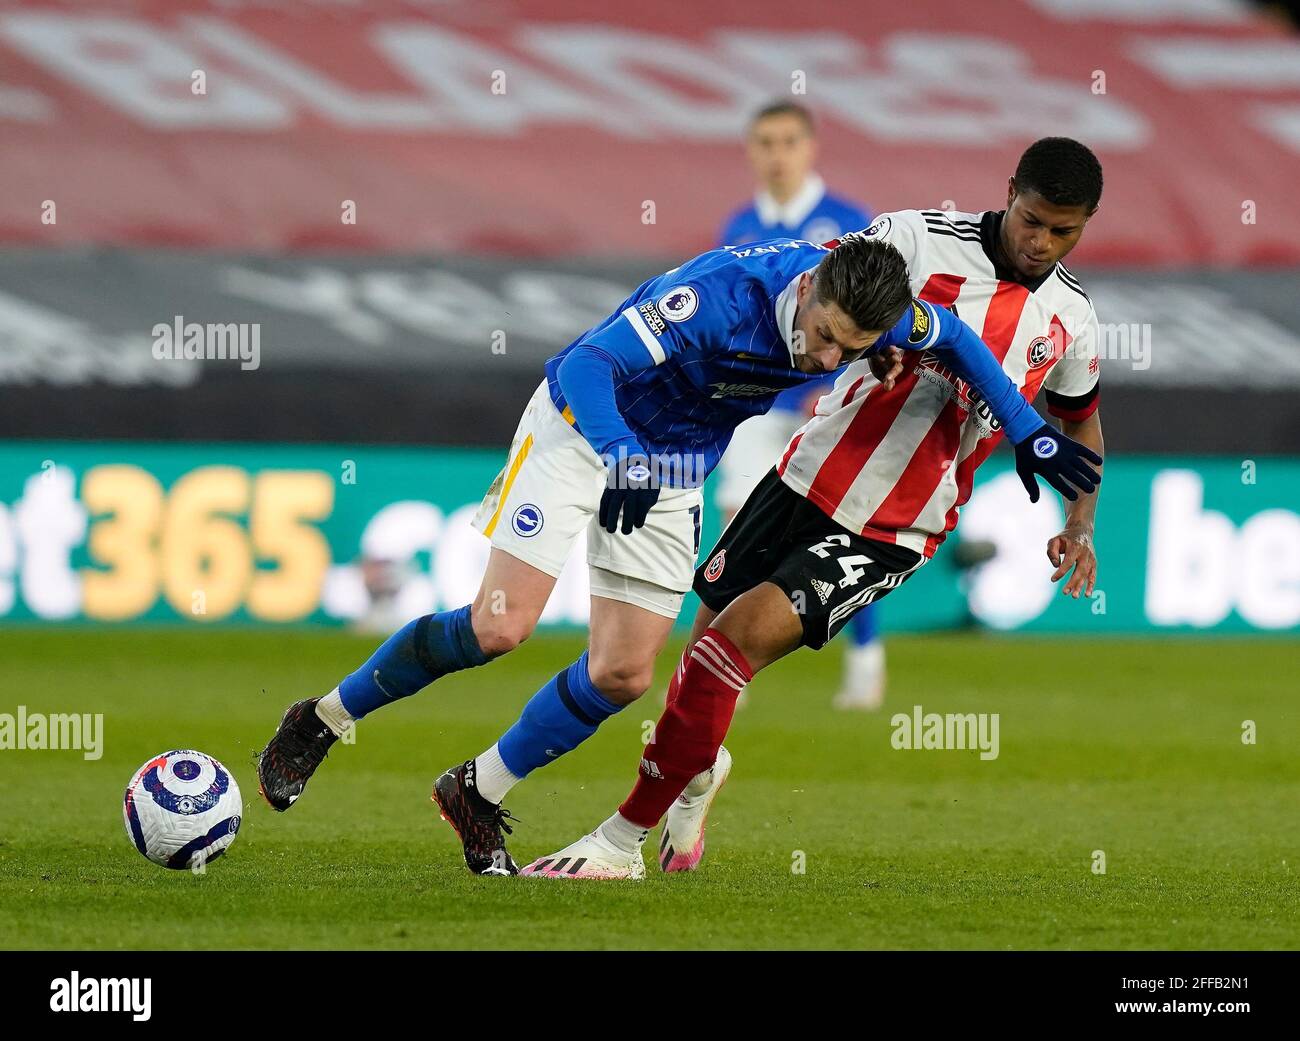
x,y
1130,747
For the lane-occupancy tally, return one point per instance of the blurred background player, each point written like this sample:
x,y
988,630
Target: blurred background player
x,y
792,200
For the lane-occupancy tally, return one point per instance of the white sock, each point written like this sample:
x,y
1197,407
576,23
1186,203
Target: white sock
x,y
622,834
492,777
865,665
330,711
700,783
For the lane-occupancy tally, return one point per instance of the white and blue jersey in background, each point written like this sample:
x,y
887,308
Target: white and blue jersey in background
x,y
812,213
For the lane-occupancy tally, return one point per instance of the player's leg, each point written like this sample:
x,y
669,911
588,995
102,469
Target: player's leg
x,y
638,582
863,685
739,556
704,616
682,837
688,737
612,673
533,512
756,446
502,615
824,574
755,630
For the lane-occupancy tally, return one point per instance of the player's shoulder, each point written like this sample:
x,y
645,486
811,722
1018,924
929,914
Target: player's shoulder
x,y
703,279
769,255
725,283
1064,294
1070,282
922,223
956,224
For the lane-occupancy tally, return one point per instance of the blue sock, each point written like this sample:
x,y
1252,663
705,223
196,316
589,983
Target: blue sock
x,y
412,658
557,719
864,626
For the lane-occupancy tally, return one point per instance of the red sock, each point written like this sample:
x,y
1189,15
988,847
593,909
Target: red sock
x,y
690,731
675,684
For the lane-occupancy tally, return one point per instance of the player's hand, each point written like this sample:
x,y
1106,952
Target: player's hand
x,y
886,366
1072,548
1059,460
629,490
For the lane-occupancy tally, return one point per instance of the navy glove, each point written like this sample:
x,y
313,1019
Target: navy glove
x,y
1060,461
629,491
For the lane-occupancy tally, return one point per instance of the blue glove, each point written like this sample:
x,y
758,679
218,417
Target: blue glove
x,y
1060,461
628,490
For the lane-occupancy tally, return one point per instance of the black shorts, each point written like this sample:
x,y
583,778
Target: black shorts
x,y
828,572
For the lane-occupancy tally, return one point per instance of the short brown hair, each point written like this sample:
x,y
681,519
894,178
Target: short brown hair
x,y
868,280
785,108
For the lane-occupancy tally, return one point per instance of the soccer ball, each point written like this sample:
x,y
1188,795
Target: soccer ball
x,y
182,809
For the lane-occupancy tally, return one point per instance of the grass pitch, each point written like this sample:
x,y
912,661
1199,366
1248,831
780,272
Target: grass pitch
x,y
1132,748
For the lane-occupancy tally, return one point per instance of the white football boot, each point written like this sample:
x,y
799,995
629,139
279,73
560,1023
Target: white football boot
x,y
592,856
681,846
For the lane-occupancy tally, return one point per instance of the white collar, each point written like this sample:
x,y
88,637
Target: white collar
x,y
794,210
786,303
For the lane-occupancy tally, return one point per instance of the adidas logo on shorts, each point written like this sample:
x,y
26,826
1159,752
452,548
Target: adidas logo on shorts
x,y
824,590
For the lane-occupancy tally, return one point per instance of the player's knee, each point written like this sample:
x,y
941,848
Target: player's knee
x,y
621,682
500,633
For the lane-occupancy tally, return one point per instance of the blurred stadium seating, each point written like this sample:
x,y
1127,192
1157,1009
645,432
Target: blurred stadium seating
x,y
413,204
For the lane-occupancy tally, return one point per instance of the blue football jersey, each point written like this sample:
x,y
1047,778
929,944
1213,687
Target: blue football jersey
x,y
702,348
829,217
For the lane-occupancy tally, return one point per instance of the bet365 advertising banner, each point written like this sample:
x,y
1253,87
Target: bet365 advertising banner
x,y
277,535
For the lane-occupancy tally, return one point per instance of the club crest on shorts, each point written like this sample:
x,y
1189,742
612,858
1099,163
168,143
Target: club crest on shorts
x,y
679,303
713,569
527,520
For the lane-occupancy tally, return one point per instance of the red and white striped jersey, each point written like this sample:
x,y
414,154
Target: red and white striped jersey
x,y
896,465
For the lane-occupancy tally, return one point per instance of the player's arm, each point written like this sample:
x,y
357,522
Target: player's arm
x,y
586,378
1040,449
639,338
1073,392
926,327
1073,548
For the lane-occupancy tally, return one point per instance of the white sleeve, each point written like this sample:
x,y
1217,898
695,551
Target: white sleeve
x,y
905,231
1079,369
